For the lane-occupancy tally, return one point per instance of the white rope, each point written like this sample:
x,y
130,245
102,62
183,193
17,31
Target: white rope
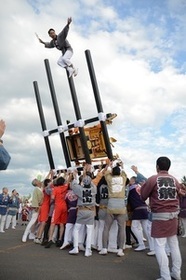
x,y
79,123
45,133
102,116
62,128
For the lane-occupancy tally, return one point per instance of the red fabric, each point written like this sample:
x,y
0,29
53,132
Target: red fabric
x,y
60,207
45,207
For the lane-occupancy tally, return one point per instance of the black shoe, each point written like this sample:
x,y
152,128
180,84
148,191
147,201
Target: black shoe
x,y
49,243
44,242
59,243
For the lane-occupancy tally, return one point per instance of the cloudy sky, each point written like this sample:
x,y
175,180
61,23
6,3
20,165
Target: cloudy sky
x,y
138,51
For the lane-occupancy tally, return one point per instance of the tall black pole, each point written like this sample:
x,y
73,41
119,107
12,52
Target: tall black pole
x,y
43,125
98,103
78,117
57,113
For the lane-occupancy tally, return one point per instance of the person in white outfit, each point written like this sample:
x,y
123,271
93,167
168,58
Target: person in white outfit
x,y
37,198
139,216
71,201
86,193
163,190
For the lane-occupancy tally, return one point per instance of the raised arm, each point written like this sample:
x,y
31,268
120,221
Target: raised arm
x,y
69,20
2,127
140,178
39,39
63,34
46,44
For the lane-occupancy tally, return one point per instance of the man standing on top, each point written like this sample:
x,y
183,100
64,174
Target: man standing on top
x,y
60,42
162,190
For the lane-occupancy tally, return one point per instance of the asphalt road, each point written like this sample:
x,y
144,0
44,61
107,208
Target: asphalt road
x,y
31,261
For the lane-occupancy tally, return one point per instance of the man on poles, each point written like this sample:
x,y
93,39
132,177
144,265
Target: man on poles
x,y
61,43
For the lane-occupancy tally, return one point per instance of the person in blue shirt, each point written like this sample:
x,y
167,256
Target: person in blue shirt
x,y
4,201
13,207
4,155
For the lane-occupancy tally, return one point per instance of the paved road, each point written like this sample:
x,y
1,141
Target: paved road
x,y
29,261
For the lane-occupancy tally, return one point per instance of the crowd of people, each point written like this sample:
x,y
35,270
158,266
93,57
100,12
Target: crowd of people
x,y
13,210
105,211
110,214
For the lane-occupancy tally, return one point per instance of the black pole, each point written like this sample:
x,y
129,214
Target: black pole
x,y
43,125
98,103
57,113
72,125
78,117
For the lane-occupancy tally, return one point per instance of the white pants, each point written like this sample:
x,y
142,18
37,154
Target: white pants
x,y
137,227
101,224
64,60
161,256
55,233
10,219
114,231
112,242
183,220
81,235
149,237
89,229
68,233
113,234
2,222
31,223
95,233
